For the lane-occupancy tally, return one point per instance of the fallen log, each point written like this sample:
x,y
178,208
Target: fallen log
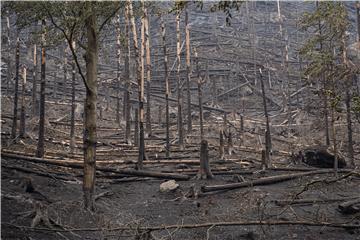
x,y
310,201
350,207
130,172
266,180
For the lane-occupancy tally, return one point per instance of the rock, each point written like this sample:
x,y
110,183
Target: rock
x,y
168,186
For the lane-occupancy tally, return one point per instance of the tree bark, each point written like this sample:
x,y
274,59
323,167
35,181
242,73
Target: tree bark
x,y
221,147
148,72
188,72
127,106
16,87
179,88
199,83
22,110
9,70
90,136
73,106
204,171
167,90
118,55
34,86
65,71
136,128
41,138
267,132
140,81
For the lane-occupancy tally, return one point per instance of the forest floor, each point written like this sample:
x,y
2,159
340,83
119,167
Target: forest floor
x,y
132,207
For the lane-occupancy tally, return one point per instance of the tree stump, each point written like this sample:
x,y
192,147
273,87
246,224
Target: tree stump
x,y
204,171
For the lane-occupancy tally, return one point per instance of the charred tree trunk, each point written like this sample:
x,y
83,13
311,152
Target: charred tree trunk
x,y
65,73
72,121
349,128
40,145
90,136
148,72
22,110
140,81
127,105
204,171
178,78
199,83
9,73
167,90
136,128
267,132
221,147
34,86
118,55
16,87
188,72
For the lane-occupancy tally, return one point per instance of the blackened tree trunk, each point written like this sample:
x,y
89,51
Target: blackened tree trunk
x,y
118,55
199,83
148,72
204,171
22,110
90,137
267,132
167,90
140,89
9,73
65,72
40,145
127,106
179,88
72,121
34,86
136,128
349,127
16,87
188,72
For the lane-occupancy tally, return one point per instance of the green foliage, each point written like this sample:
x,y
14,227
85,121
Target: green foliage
x,y
226,7
356,104
328,25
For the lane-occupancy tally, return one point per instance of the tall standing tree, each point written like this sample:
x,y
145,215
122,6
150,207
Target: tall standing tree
x,y
22,109
167,88
41,139
178,81
148,70
140,82
188,71
16,86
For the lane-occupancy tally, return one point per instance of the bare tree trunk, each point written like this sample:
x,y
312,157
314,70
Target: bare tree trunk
x,y
267,132
34,86
199,83
90,136
127,105
167,90
55,86
204,171
148,72
140,81
9,69
40,145
221,147
188,72
179,88
136,128
22,111
65,71
16,88
118,45
72,121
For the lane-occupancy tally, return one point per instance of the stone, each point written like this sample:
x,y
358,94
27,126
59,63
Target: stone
x,y
168,186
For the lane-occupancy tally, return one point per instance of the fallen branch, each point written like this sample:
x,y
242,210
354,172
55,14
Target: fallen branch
x,y
142,173
200,225
266,180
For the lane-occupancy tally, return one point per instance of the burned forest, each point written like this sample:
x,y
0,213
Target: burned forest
x,y
180,120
